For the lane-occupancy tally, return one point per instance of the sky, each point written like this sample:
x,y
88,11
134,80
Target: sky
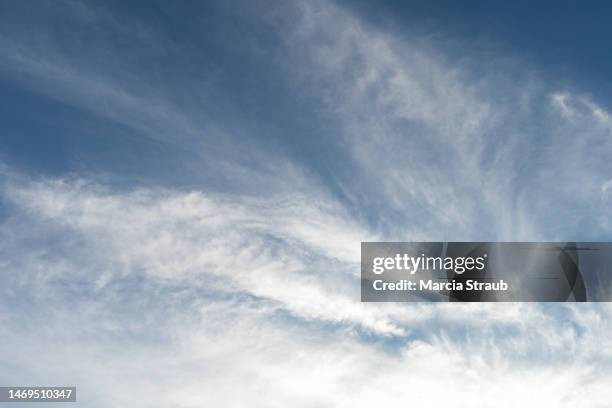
x,y
184,187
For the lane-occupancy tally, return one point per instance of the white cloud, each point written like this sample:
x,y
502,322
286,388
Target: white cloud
x,y
210,317
303,253
252,299
440,150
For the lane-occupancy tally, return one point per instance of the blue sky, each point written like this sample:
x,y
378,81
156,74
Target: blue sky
x,y
185,187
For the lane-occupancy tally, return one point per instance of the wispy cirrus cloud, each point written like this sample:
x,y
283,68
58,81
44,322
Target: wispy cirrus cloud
x,y
447,150
188,285
228,296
